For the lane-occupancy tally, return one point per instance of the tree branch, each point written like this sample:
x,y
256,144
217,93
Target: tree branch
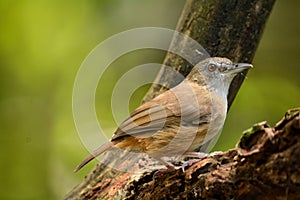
x,y
265,165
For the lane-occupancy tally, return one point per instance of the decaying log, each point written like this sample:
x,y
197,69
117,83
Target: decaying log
x,y
264,165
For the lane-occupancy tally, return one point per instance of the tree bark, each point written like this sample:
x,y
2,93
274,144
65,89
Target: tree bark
x,y
225,28
264,165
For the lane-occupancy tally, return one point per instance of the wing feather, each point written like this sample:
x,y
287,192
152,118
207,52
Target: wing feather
x,y
167,109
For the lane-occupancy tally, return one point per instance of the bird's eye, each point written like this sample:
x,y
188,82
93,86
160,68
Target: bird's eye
x,y
211,67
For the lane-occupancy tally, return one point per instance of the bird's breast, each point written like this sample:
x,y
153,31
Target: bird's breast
x,y
212,109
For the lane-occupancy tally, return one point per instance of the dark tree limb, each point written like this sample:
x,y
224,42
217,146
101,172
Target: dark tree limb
x,y
264,165
226,28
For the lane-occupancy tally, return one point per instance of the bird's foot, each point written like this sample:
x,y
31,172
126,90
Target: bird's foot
x,y
162,172
215,153
199,155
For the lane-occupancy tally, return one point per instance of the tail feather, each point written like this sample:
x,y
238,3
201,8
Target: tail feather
x,y
93,155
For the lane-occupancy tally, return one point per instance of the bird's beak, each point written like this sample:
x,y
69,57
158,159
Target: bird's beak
x,y
239,67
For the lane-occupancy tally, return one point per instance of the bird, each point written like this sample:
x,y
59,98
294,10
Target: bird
x,y
180,120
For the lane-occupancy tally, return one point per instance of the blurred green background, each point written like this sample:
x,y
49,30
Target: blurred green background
x,y
43,43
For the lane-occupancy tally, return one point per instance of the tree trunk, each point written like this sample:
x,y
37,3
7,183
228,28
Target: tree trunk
x,y
225,28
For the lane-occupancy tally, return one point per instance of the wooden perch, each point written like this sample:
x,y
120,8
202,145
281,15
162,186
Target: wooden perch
x,y
264,165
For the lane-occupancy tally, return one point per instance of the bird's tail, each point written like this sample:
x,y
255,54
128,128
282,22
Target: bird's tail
x,y
93,155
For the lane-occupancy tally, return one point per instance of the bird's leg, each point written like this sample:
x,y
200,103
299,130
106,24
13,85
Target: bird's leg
x,y
170,167
197,155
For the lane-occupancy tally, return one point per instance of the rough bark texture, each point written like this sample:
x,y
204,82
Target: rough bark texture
x,y
226,28
264,165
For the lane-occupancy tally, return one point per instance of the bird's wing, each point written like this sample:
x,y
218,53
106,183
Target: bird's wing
x,y
167,109
146,119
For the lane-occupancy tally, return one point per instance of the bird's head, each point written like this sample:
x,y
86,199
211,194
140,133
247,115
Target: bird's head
x,y
216,73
